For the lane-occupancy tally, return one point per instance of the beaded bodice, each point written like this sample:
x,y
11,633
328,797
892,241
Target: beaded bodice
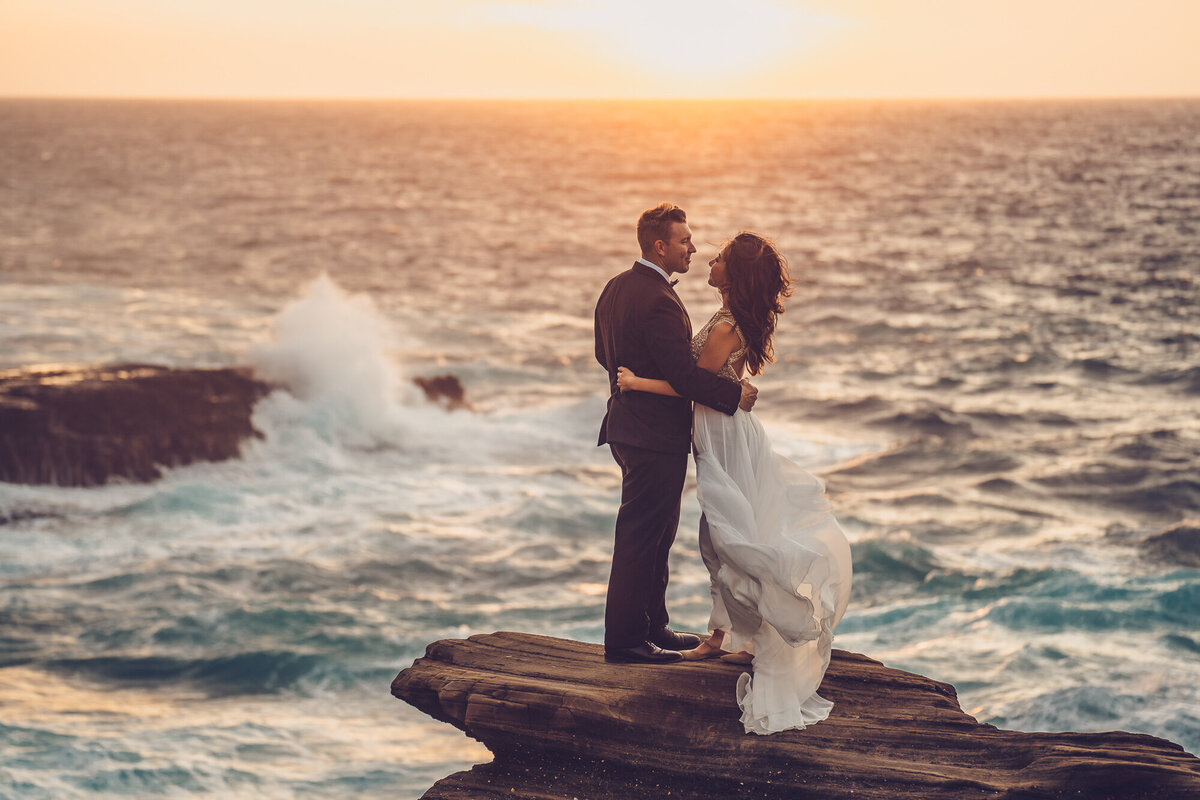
x,y
701,338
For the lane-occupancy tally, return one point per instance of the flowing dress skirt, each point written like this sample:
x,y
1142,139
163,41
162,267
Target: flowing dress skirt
x,y
779,564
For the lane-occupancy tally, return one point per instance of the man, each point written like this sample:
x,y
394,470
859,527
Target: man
x,y
642,324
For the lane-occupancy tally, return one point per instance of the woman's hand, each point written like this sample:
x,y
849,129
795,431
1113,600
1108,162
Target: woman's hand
x,y
625,379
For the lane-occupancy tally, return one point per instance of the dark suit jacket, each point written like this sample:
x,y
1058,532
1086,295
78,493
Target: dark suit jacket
x,y
641,324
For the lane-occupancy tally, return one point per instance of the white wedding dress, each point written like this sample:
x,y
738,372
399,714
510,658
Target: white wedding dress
x,y
779,563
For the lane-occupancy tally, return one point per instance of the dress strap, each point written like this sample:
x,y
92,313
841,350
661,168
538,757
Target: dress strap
x,y
701,338
725,315
728,317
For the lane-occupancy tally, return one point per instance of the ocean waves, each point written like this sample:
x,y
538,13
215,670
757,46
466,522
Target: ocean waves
x,y
1102,642
366,522
1040,452
241,673
990,358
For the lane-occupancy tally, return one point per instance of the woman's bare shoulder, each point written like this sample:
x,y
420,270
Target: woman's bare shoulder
x,y
724,330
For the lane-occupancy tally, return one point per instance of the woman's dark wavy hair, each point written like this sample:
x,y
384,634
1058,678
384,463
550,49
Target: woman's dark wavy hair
x,y
758,279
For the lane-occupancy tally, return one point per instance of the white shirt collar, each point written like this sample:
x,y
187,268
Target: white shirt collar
x,y
656,268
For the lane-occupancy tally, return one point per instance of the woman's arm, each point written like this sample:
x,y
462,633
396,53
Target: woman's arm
x,y
632,383
721,342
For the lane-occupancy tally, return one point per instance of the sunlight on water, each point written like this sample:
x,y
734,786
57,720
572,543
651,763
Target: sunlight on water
x,y
989,359
240,746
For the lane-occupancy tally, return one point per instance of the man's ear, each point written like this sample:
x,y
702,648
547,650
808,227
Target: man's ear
x,y
660,248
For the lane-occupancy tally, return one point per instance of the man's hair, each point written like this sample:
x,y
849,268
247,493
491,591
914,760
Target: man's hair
x,y
655,224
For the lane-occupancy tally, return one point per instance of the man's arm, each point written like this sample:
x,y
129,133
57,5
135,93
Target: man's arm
x,y
667,342
599,342
722,341
598,329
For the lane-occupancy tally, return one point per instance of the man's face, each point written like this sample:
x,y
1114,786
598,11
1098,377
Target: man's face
x,y
677,256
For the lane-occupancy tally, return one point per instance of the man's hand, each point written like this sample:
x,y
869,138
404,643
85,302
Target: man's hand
x,y
749,395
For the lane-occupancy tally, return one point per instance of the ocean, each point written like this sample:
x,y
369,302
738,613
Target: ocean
x,y
992,357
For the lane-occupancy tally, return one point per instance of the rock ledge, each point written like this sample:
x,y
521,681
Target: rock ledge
x,y
564,724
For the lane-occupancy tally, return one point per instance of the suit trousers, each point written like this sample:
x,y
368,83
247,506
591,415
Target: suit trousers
x,y
651,487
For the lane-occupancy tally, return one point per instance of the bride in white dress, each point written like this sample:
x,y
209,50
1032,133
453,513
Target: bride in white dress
x,y
779,563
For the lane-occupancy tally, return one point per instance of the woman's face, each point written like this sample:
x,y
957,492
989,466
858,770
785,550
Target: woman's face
x,y
716,272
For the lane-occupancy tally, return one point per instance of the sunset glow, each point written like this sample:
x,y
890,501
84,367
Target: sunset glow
x,y
598,48
677,38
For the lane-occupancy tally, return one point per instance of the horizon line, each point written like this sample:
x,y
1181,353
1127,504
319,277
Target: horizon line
x,y
598,99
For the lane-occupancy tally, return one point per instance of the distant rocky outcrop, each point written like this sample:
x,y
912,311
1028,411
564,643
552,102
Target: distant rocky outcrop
x,y
85,426
564,724
446,390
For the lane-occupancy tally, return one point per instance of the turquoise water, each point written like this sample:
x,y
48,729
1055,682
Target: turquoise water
x,y
990,357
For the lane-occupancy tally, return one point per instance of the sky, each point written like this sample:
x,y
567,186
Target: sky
x,y
600,48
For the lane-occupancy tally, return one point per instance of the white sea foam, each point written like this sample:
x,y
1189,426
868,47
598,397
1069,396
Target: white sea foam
x,y
333,352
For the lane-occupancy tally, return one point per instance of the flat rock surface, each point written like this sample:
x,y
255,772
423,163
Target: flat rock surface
x,y
563,723
83,426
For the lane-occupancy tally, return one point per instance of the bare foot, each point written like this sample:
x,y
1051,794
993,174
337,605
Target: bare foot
x,y
741,657
705,650
709,648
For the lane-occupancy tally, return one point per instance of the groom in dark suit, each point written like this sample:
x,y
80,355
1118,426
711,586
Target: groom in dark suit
x,y
642,324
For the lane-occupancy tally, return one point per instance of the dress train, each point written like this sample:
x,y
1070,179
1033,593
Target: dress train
x,y
779,564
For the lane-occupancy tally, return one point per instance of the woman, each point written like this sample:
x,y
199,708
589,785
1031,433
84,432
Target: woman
x,y
779,563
